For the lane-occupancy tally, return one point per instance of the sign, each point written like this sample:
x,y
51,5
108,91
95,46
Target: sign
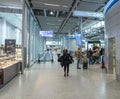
x,y
88,14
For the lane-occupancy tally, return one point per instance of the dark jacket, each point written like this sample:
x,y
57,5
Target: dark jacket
x,y
67,59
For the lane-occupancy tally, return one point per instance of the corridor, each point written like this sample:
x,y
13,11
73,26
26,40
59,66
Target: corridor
x,y
46,81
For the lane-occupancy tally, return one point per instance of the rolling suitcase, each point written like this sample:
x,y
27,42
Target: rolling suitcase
x,y
85,65
85,62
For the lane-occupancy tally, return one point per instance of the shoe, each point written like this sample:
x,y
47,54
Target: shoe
x,y
78,68
67,74
64,75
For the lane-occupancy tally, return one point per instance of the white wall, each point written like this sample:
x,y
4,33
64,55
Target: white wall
x,y
112,24
72,45
69,44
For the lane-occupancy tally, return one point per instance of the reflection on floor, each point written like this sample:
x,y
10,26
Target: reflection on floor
x,y
46,81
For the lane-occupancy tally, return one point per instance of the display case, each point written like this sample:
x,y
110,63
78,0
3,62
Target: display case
x,y
18,52
9,67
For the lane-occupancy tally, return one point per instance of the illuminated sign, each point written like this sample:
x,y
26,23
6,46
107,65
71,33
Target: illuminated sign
x,y
88,14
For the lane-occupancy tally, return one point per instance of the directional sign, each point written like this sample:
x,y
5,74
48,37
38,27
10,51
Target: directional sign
x,y
88,14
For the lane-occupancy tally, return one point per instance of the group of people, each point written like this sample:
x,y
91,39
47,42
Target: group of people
x,y
94,55
82,57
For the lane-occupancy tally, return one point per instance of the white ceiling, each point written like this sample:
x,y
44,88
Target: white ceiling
x,y
61,10
17,3
42,9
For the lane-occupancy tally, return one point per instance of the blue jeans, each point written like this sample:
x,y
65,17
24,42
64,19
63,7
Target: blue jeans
x,y
78,62
90,60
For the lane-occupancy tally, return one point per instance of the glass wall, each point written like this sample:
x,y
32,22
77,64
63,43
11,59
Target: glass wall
x,y
26,36
8,30
33,38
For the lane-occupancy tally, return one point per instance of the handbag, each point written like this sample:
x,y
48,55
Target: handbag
x,y
60,59
61,63
70,61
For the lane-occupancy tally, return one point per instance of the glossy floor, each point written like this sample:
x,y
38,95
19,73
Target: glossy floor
x,y
46,81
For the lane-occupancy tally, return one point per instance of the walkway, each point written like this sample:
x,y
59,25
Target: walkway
x,y
46,81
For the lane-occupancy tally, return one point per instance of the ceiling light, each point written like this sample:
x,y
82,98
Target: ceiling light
x,y
51,12
60,20
50,24
65,6
88,14
52,4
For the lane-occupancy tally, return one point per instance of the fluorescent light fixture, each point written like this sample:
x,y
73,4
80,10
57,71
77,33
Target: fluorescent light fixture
x,y
88,14
60,20
65,6
52,4
12,7
50,24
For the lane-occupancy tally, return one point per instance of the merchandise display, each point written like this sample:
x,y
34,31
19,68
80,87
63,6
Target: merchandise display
x,y
18,53
10,64
7,61
9,67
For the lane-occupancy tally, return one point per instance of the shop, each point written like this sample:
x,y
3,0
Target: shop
x,y
19,42
10,48
112,37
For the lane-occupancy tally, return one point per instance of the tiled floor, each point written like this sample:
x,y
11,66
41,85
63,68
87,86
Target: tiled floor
x,y
46,81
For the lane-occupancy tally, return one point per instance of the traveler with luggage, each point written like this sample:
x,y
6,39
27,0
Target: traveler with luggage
x,y
78,57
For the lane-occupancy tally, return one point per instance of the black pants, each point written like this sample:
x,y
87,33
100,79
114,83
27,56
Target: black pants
x,y
66,67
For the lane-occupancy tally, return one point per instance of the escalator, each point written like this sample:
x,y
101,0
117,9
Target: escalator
x,y
46,56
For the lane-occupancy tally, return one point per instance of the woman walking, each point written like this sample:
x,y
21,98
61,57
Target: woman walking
x,y
66,61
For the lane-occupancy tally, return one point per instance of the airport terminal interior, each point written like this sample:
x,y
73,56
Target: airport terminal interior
x,y
36,38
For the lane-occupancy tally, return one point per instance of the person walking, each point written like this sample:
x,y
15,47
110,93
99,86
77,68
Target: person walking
x,y
78,56
66,61
90,53
58,52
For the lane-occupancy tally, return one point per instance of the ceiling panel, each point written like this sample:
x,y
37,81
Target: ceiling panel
x,y
41,6
50,23
52,4
62,8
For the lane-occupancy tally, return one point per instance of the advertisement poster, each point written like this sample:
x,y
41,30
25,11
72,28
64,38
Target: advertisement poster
x,y
10,46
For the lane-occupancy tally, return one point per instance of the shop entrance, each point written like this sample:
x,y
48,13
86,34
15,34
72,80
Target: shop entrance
x,y
111,56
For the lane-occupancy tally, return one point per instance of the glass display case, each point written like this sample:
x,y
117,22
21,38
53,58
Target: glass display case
x,y
10,65
18,53
6,61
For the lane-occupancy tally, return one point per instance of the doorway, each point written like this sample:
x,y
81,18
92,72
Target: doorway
x,y
111,56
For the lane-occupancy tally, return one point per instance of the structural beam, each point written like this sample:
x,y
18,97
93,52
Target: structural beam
x,y
65,21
